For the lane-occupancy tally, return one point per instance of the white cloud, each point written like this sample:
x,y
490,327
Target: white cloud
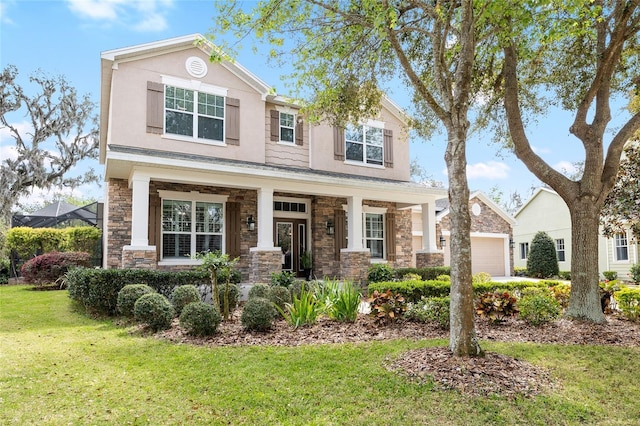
x,y
566,167
490,170
539,150
6,139
4,18
139,15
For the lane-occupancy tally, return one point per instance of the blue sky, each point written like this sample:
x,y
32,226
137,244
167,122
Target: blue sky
x,y
67,36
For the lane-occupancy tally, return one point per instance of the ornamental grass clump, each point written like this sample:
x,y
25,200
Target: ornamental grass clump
x,y
128,296
155,310
304,309
200,319
343,302
183,295
258,314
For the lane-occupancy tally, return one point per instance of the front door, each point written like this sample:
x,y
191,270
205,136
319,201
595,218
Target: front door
x,y
291,237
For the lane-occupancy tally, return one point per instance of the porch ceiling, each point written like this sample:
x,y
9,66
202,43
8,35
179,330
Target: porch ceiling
x,y
122,162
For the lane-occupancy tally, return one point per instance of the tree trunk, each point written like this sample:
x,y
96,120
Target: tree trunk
x,y
462,334
584,301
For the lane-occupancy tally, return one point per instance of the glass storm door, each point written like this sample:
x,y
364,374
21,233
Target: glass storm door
x,y
291,237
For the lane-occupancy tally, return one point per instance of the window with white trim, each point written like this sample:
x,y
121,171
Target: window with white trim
x,y
190,227
621,248
287,127
560,249
364,144
374,234
194,114
524,251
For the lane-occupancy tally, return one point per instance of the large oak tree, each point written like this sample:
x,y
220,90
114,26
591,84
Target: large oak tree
x,y
60,131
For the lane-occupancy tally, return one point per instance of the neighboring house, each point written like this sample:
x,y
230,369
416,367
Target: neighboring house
x,y
204,156
491,234
546,211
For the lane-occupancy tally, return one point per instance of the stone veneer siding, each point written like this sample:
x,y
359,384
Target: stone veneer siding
x,y
118,216
263,263
427,260
354,265
139,259
404,235
324,253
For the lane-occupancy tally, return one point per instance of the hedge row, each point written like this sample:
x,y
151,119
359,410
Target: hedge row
x,y
97,289
414,291
427,274
26,242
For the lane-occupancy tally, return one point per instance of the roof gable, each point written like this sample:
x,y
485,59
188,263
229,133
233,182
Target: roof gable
x,y
534,196
486,200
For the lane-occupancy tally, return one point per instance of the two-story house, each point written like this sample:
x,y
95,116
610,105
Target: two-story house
x,y
204,156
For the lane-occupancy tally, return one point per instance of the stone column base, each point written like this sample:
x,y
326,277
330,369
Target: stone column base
x,y
263,262
354,265
427,260
139,257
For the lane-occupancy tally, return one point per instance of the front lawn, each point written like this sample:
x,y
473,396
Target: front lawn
x,y
59,367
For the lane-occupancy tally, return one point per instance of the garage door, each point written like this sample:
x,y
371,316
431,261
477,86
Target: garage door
x,y
487,255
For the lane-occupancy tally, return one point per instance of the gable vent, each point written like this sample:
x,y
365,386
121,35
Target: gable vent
x,y
196,67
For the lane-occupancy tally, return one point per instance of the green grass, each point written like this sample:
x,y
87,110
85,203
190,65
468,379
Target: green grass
x,y
59,367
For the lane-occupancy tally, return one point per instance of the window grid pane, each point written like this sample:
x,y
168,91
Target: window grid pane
x,y
374,234
364,144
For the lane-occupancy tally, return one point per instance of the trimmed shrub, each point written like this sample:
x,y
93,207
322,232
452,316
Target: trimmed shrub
x,y
443,278
5,265
234,295
427,274
380,272
259,290
183,295
481,277
538,309
519,271
496,306
431,310
258,314
628,302
283,278
279,296
413,277
610,275
49,267
564,275
634,273
200,319
155,310
561,293
97,289
542,261
129,295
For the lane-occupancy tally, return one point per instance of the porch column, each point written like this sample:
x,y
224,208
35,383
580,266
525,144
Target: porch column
x,y
354,214
431,253
429,241
265,218
139,210
265,258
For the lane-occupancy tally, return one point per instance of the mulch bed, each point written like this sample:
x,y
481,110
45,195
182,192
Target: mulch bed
x,y
492,374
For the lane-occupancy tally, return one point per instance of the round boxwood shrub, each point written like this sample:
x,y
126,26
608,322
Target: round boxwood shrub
x,y
200,319
183,295
259,290
538,309
155,310
234,295
258,314
280,295
128,296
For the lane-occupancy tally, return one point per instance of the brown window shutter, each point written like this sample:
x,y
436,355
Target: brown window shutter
x,y
390,236
388,148
338,143
155,222
299,134
275,125
340,231
155,107
232,121
233,229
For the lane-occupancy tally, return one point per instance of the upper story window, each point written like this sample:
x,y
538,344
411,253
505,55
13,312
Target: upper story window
x,y
560,249
194,114
621,247
287,127
190,226
524,251
364,144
